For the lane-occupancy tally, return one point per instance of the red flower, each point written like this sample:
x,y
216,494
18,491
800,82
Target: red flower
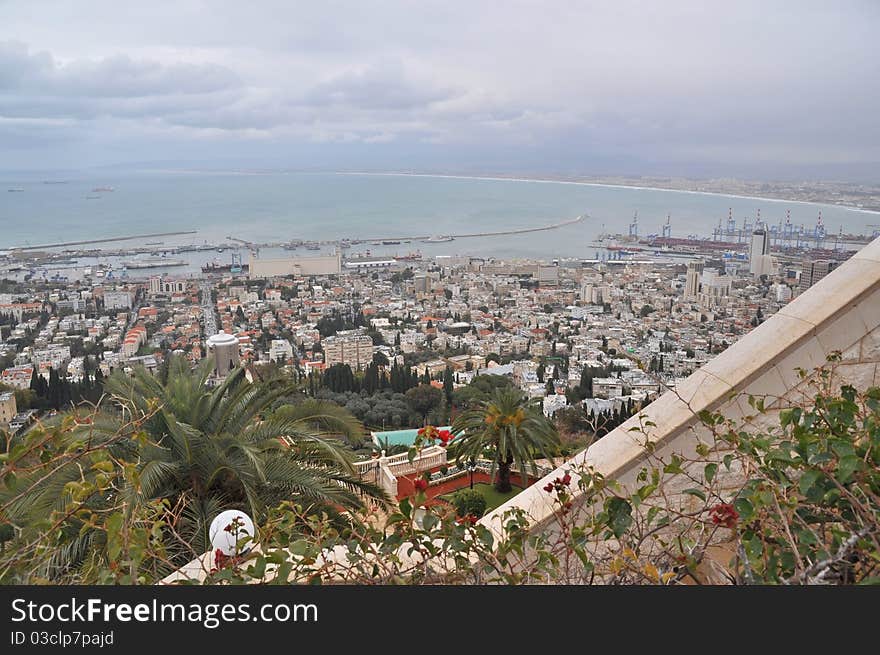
x,y
724,514
421,484
220,559
445,436
558,485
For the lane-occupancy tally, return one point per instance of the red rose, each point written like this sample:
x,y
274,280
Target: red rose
x,y
421,484
566,479
549,487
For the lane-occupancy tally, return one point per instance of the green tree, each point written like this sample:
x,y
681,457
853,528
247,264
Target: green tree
x,y
510,425
448,386
201,449
424,399
468,502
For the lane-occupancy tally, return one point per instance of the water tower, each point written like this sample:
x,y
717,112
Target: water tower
x,y
223,348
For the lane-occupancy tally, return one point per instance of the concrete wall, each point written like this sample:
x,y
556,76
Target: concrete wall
x,y
320,265
841,313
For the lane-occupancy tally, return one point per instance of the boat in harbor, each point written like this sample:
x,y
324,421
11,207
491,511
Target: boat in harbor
x,y
413,256
391,243
438,239
102,189
17,189
153,262
217,267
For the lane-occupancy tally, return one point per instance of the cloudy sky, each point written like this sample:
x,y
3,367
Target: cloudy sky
x,y
716,88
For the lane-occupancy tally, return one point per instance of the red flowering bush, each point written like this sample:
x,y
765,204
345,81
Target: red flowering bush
x,y
558,485
430,434
221,559
420,484
724,514
445,436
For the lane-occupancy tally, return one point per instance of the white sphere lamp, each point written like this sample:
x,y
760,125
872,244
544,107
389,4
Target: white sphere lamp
x,y
228,533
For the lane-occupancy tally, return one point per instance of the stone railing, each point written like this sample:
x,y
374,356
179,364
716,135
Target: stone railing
x,y
388,482
385,470
840,314
428,458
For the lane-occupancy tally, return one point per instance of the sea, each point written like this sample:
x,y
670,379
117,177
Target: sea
x,y
275,207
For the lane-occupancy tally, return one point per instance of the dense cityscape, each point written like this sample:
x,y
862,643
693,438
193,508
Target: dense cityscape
x,y
588,337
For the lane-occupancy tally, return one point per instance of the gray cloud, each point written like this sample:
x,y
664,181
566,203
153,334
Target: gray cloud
x,y
378,87
116,76
531,84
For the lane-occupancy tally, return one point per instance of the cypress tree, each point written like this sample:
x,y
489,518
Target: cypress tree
x,y
447,385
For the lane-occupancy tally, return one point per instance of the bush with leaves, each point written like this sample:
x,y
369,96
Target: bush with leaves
x,y
794,503
468,502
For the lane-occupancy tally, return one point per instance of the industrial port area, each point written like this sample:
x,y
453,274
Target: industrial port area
x,y
158,253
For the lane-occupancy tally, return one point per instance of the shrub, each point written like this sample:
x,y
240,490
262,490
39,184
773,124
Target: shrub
x,y
468,502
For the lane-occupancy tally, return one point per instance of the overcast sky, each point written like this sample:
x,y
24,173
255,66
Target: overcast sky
x,y
733,87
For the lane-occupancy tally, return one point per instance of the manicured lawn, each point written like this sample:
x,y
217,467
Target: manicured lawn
x,y
493,498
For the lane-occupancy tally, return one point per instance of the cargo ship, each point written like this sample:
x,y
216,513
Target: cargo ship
x,y
217,267
153,262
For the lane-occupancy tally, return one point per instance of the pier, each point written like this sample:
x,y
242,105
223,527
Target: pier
x,y
468,235
64,244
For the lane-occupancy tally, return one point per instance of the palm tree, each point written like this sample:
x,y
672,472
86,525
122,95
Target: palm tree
x,y
511,426
208,449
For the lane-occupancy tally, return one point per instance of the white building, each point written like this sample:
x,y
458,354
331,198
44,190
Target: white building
x,y
350,348
280,349
692,281
553,403
167,285
320,265
760,262
224,348
607,387
714,289
117,299
783,293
